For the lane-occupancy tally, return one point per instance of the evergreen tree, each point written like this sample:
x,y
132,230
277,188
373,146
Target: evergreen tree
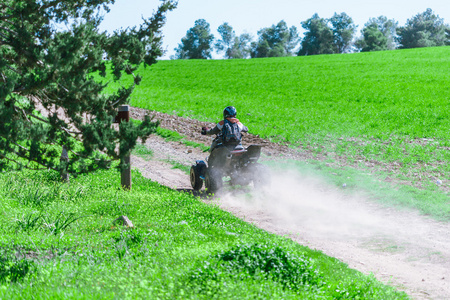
x,y
53,81
241,46
423,30
389,29
343,30
227,38
318,39
447,36
197,43
233,46
373,39
275,41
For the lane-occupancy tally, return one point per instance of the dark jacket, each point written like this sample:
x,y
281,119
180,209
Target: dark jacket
x,y
218,128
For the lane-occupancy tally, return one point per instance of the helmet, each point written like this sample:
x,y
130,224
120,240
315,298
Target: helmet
x,y
229,112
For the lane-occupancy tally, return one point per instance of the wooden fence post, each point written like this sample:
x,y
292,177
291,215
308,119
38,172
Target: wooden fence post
x,y
64,159
125,179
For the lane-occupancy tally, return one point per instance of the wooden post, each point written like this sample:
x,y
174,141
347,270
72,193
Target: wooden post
x,y
64,159
125,179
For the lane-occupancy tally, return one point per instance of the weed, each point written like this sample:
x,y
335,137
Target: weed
x,y
60,222
36,196
13,270
142,151
264,260
29,221
178,165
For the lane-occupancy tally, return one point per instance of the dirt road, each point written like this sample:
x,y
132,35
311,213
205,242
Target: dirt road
x,y
401,248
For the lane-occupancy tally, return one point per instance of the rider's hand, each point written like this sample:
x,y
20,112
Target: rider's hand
x,y
204,129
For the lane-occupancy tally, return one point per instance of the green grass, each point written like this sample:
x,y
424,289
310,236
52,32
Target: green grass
x,y
388,109
142,151
59,241
168,135
366,106
171,135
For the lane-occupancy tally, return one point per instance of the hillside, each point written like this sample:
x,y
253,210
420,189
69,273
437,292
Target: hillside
x,y
381,112
382,94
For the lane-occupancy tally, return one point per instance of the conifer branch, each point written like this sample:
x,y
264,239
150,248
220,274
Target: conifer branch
x,y
20,164
47,66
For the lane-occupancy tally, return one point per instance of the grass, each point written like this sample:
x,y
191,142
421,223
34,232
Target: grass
x,y
61,242
171,135
168,135
386,109
429,199
387,106
142,151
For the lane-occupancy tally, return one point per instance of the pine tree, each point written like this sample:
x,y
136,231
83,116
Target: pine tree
x,y
55,66
197,44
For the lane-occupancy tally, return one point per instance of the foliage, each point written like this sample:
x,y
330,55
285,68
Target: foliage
x,y
343,31
327,36
13,270
275,41
378,34
266,261
233,46
175,234
48,98
447,36
373,39
423,30
318,38
197,43
389,29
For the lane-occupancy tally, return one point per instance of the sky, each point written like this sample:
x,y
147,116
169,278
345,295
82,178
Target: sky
x,y
248,16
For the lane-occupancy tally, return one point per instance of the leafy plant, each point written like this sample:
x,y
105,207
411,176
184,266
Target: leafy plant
x,y
60,222
15,270
36,196
271,262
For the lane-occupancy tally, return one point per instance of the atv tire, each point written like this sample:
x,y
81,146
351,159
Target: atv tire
x,y
194,175
213,180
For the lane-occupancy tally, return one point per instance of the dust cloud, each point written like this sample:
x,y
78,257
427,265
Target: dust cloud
x,y
293,201
399,246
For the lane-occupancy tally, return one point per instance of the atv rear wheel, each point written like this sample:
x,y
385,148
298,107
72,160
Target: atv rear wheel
x,y
213,180
194,175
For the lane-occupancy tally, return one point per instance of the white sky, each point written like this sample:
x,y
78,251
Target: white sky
x,y
252,15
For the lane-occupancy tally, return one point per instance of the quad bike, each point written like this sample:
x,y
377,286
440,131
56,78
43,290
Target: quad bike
x,y
236,162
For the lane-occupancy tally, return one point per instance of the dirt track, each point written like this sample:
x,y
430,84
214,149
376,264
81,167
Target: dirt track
x,y
401,248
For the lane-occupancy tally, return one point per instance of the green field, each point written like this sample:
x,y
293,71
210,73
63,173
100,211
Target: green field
x,y
389,106
383,113
59,241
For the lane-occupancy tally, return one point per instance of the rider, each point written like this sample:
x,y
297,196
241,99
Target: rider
x,y
229,114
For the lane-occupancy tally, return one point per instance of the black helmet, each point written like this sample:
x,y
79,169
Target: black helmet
x,y
229,112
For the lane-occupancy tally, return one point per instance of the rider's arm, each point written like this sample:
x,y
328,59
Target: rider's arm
x,y
242,127
215,130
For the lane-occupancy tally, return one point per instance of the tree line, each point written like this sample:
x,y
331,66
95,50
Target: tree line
x,y
322,36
